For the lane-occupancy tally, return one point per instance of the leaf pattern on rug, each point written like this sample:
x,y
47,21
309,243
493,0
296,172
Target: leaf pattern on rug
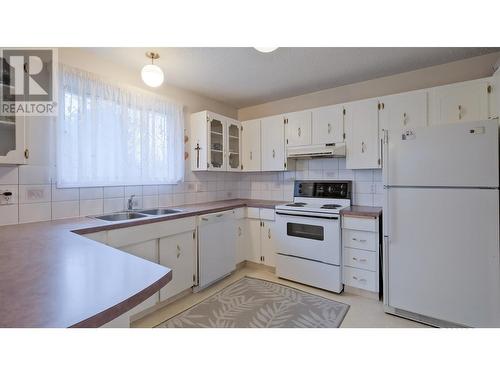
x,y
255,303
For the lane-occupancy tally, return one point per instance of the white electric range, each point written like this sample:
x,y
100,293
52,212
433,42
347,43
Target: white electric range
x,y
309,234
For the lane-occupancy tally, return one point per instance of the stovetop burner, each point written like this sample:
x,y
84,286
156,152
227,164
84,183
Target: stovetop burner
x,y
331,206
296,204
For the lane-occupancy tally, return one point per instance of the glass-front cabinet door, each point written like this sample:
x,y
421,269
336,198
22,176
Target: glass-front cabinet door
x,y
233,145
216,136
12,128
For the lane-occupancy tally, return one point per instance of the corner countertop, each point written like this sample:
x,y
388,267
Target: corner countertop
x,y
363,211
51,276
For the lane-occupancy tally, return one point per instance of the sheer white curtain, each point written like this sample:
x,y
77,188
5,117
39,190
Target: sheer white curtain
x,y
109,135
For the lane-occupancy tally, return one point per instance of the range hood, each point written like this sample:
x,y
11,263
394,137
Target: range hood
x,y
329,150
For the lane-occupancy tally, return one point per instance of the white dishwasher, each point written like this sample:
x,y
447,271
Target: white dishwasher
x,y
216,247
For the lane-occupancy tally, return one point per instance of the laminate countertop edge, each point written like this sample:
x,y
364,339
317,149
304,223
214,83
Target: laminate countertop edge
x,y
51,276
362,211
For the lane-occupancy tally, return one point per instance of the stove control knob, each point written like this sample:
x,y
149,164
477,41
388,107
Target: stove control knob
x,y
300,191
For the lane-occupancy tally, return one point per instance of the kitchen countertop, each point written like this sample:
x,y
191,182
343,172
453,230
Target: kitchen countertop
x,y
364,211
50,276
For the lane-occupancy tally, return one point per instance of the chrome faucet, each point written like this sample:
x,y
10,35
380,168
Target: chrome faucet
x,y
130,202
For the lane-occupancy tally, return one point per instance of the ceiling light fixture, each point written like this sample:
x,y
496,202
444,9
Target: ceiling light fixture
x,y
151,74
266,49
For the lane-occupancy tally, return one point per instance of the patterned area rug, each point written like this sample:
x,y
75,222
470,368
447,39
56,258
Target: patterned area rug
x,y
255,303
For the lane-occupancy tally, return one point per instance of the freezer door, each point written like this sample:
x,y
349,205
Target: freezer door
x,y
446,155
443,254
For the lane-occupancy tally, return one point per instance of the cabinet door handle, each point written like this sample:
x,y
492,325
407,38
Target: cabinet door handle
x,y
359,260
251,155
239,231
269,233
459,112
360,280
355,239
299,131
178,251
274,154
329,128
362,147
405,118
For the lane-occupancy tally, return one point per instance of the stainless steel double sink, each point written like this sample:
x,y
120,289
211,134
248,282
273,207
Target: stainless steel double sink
x,y
139,214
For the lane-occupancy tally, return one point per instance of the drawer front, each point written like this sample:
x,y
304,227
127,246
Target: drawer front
x,y
360,240
267,214
361,279
366,260
358,223
253,213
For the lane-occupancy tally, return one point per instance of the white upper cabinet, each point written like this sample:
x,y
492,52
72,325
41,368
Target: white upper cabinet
x,y
12,128
273,143
215,142
328,125
250,146
461,102
494,97
233,146
403,111
362,134
298,128
13,140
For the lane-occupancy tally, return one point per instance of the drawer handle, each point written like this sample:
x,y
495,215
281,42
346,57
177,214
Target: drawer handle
x,y
219,215
178,251
355,239
360,280
359,260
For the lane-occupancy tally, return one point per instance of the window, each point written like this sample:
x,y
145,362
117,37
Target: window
x,y
110,136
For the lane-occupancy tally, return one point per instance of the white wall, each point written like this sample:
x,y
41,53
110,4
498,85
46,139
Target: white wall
x,y
457,71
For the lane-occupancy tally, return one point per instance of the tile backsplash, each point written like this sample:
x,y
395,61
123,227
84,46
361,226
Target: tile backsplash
x,y
367,183
35,196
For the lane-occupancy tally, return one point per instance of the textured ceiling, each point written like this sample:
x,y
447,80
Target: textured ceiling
x,y
243,77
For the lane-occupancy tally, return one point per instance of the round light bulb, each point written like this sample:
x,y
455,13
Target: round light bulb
x,y
152,75
266,49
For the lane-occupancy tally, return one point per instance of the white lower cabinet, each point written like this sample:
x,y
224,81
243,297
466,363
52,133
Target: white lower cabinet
x,y
178,253
101,237
242,240
253,253
147,250
267,242
261,245
360,253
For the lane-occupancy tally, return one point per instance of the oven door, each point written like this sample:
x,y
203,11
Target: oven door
x,y
310,237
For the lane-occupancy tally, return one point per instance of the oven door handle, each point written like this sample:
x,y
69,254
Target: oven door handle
x,y
312,216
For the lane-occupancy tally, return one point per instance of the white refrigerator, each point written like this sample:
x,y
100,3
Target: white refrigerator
x,y
441,224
